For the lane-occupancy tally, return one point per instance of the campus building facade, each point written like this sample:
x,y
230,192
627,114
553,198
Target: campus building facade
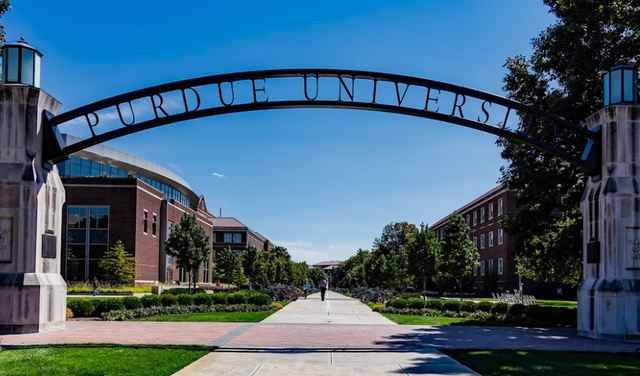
x,y
483,216
115,196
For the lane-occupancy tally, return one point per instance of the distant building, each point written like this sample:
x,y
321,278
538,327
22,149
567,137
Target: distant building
x,y
231,233
111,196
326,265
483,216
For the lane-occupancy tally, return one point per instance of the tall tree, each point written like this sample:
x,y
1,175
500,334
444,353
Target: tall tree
x,y
564,77
119,264
395,237
459,257
190,245
422,255
252,263
229,266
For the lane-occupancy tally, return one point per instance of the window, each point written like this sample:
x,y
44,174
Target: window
x,y
154,223
475,218
87,241
490,238
475,242
205,275
145,219
481,215
227,237
491,210
169,260
500,266
482,241
500,207
237,238
500,236
215,237
481,267
491,267
475,272
169,228
468,220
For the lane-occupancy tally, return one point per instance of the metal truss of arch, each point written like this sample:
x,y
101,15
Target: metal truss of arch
x,y
325,88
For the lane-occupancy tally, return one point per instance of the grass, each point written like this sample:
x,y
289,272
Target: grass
x,y
98,360
86,288
437,320
543,303
547,363
212,317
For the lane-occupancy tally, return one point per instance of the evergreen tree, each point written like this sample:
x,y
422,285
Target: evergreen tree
x,y
563,76
119,264
4,7
458,257
190,245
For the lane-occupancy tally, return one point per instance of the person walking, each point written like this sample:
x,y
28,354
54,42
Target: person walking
x,y
323,288
95,284
305,287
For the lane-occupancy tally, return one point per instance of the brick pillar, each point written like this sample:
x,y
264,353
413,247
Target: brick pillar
x,y
32,291
609,297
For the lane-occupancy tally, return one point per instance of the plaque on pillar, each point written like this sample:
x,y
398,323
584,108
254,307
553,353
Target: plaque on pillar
x,y
49,242
6,238
633,248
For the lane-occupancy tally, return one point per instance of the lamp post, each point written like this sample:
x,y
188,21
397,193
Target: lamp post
x,y
620,85
21,64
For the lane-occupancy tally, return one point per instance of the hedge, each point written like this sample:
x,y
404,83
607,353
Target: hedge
x,y
81,307
221,298
180,290
129,314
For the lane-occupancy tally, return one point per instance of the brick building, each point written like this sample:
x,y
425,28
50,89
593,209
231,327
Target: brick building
x,y
115,196
231,233
483,216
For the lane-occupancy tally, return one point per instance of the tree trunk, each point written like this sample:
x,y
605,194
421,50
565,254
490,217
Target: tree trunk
x,y
460,284
189,283
424,287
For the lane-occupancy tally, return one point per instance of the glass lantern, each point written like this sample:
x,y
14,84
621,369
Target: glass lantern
x,y
621,85
21,64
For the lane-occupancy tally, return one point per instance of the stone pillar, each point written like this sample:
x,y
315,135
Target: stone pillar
x,y
609,297
32,291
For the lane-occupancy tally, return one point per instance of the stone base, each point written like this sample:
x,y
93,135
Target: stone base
x,y
32,302
609,309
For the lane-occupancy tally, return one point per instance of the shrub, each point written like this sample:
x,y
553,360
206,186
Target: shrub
x,y
131,302
451,305
468,306
499,308
202,299
259,299
151,301
181,290
168,300
563,316
398,303
542,314
484,306
433,304
517,309
108,304
81,307
415,303
239,298
277,305
221,298
185,299
408,295
69,313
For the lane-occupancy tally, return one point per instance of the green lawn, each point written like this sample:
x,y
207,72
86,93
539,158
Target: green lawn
x,y
543,303
436,320
213,317
547,363
98,360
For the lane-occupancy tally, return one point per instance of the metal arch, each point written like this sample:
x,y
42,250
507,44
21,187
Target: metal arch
x,y
588,160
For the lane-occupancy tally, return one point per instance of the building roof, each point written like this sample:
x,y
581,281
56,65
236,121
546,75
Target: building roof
x,y
486,196
228,222
326,265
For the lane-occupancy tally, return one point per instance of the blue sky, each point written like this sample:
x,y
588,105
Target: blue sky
x,y
322,183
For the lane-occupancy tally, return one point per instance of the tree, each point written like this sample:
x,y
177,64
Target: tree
x,y
391,244
315,274
422,255
119,264
190,245
229,266
459,257
351,272
564,77
252,263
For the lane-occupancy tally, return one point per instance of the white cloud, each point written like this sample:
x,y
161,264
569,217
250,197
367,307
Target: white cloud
x,y
220,176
